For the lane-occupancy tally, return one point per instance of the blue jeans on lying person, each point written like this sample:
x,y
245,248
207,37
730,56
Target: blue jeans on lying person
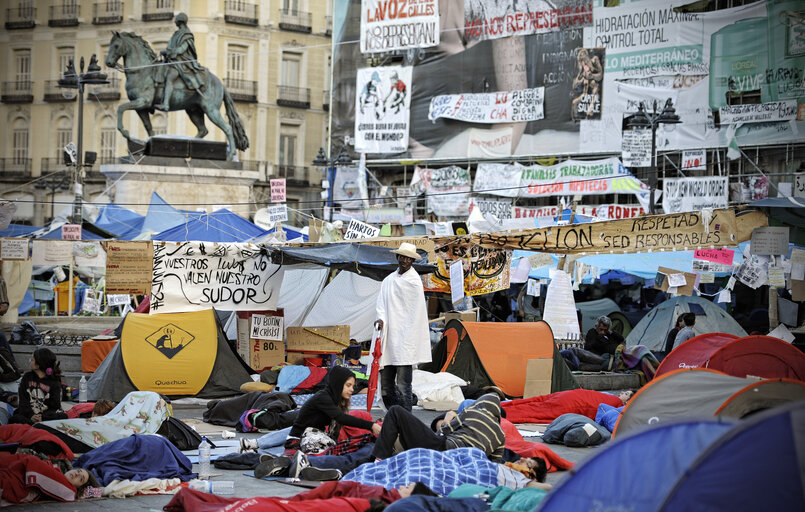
x,y
343,463
273,439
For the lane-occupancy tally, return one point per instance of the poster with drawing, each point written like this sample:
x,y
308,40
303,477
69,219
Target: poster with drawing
x,y
382,103
588,84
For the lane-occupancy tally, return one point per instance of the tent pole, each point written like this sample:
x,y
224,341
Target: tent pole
x,y
70,297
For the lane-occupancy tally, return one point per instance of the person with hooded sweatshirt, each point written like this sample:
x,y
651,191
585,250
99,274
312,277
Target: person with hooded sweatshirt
x,y
40,390
330,408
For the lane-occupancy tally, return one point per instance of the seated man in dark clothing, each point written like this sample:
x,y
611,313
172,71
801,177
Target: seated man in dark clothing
x,y
600,340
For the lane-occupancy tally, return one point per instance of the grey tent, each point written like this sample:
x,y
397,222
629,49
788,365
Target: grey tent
x,y
652,330
174,354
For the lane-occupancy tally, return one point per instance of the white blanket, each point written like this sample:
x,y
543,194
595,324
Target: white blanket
x,y
401,306
438,387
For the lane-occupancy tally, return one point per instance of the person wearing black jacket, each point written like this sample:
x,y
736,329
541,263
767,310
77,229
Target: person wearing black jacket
x,y
671,338
40,390
330,408
600,340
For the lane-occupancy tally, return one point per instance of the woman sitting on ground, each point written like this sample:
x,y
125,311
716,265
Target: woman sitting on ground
x,y
40,390
329,408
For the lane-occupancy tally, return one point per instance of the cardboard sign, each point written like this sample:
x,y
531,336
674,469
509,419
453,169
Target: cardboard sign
x,y
694,160
664,282
267,328
357,229
674,232
456,281
769,240
318,339
191,276
129,267
260,354
278,213
277,190
721,256
14,249
71,232
538,375
485,270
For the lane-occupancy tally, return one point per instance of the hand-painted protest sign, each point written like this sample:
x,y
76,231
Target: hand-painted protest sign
x,y
277,190
588,87
118,299
694,160
636,147
14,249
487,19
485,270
382,105
674,232
722,256
799,184
446,188
493,107
398,25
500,208
693,194
758,113
190,276
769,240
357,229
278,213
71,232
129,267
51,252
574,177
599,211
267,327
92,301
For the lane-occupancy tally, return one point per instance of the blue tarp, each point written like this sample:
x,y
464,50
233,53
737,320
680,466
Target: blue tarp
x,y
17,230
85,235
125,223
161,216
290,234
636,472
219,226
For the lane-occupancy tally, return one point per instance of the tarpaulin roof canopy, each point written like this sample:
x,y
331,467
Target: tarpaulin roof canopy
x,y
18,230
162,216
125,223
219,226
89,231
367,260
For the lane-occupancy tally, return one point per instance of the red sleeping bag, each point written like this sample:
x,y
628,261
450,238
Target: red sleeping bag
x,y
546,408
21,474
194,501
29,436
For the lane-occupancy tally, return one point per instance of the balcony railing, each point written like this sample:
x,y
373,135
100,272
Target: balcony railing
x,y
105,92
325,102
64,14
106,13
241,90
295,21
158,10
293,173
240,13
20,17
17,92
328,25
298,97
56,94
51,165
15,167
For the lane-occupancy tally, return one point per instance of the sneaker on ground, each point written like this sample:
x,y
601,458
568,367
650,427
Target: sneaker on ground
x,y
278,466
265,457
319,474
248,445
299,463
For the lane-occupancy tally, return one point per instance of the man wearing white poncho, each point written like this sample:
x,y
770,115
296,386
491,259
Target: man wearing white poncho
x,y
403,320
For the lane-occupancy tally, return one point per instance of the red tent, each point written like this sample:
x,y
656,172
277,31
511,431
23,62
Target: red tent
x,y
759,356
694,352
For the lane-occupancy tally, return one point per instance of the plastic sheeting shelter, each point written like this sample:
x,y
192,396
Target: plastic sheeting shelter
x,y
757,465
175,354
219,226
637,472
702,392
694,353
125,223
653,328
497,353
759,356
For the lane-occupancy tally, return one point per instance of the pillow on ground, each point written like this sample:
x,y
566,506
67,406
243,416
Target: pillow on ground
x,y
575,430
607,416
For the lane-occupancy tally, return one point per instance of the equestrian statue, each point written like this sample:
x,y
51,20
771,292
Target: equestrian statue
x,y
175,82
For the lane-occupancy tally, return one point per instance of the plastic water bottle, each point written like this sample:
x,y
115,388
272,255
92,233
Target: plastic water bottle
x,y
204,459
82,389
208,486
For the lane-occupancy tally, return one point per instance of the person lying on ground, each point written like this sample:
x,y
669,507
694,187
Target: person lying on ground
x,y
188,500
268,410
546,408
26,478
442,471
357,490
35,441
502,498
40,390
91,409
329,408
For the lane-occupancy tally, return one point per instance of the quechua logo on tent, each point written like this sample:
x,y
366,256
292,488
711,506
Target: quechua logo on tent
x,y
170,340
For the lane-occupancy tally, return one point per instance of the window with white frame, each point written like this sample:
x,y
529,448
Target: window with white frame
x,y
63,56
290,6
64,135
108,145
288,143
22,69
291,66
236,62
19,142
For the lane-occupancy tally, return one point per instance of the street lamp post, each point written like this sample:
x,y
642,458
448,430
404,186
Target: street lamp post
x,y
77,80
54,182
322,161
642,119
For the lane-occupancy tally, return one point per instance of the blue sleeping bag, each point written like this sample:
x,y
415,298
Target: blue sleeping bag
x,y
607,416
419,503
138,457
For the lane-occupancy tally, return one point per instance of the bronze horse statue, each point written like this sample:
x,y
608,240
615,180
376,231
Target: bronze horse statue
x,y
141,66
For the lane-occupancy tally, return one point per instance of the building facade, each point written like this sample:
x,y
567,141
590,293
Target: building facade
x,y
272,55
